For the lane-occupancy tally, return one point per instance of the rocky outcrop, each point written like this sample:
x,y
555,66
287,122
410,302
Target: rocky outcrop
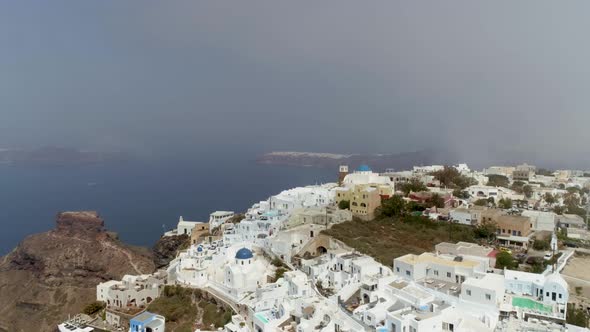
x,y
53,274
166,248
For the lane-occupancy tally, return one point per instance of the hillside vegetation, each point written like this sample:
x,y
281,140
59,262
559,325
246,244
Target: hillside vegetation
x,y
386,238
186,309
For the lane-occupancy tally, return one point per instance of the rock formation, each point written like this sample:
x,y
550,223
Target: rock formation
x,y
53,274
166,248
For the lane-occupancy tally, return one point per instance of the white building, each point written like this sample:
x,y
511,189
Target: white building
x,y
551,289
447,268
540,220
135,291
219,217
184,227
488,290
303,197
428,169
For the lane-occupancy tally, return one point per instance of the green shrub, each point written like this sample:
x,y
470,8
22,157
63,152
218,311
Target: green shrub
x,y
344,205
93,307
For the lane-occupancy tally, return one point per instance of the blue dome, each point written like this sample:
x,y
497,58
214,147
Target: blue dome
x,y
244,253
364,168
199,248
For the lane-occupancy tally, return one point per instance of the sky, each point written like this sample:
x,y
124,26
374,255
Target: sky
x,y
486,80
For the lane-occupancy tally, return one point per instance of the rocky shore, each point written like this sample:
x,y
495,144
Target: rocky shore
x,y
53,274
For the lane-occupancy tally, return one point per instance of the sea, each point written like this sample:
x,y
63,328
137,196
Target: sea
x,y
140,198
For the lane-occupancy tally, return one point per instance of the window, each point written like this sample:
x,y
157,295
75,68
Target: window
x,y
448,327
435,272
408,274
469,292
397,269
448,274
560,295
488,297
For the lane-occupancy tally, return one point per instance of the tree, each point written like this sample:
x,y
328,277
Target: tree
x,y
451,178
541,245
496,180
518,186
481,202
412,206
576,316
344,205
486,230
93,307
393,206
528,191
559,209
414,185
505,260
544,171
571,199
549,199
435,200
505,203
460,194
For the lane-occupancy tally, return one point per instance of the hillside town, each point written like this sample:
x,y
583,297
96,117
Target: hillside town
x,y
515,258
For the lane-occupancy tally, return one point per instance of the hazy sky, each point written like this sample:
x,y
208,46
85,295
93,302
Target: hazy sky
x,y
480,78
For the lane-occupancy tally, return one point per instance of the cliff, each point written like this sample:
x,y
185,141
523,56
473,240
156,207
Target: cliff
x,y
53,274
167,247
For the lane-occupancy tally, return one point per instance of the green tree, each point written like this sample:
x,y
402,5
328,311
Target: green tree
x,y
518,186
460,194
93,307
505,203
544,171
576,316
541,245
451,178
559,209
393,206
505,260
486,230
344,205
528,191
414,185
571,199
549,198
435,200
496,180
412,206
481,202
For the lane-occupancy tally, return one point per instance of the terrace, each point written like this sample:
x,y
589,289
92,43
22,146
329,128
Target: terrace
x,y
445,287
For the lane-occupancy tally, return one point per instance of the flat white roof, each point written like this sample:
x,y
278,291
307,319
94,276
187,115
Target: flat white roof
x,y
221,213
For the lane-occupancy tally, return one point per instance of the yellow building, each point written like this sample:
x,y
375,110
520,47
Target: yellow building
x,y
364,199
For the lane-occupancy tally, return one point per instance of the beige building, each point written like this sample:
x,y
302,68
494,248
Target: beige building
x,y
199,230
511,230
364,199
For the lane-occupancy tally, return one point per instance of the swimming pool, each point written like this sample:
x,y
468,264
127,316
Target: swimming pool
x,y
262,317
531,304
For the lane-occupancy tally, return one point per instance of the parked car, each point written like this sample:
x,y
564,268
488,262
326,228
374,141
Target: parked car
x,y
547,256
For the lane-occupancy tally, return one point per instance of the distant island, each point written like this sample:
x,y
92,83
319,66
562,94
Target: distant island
x,y
52,155
397,161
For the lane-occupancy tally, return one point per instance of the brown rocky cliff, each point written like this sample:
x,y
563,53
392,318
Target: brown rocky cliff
x,y
53,274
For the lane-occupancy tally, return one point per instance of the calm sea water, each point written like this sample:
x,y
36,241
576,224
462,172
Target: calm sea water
x,y
138,199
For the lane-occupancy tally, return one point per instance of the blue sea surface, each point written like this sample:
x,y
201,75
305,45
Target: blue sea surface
x,y
138,199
